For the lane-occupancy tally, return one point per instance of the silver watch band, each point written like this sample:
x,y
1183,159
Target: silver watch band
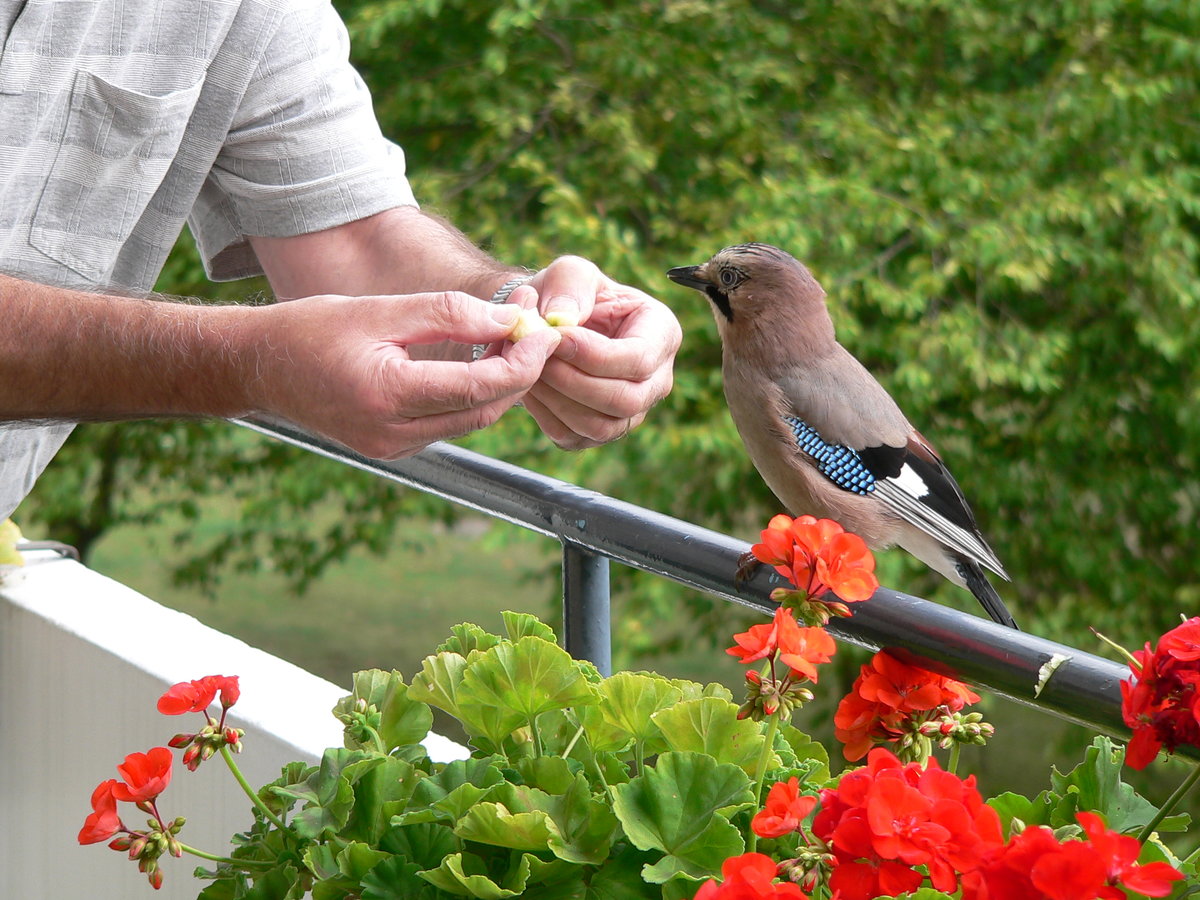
x,y
501,296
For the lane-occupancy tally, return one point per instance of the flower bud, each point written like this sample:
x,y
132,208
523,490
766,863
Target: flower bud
x,y
137,845
174,847
206,752
180,741
191,757
121,842
177,825
156,878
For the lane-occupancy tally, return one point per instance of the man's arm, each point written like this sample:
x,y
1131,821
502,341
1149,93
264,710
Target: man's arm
x,y
337,365
606,374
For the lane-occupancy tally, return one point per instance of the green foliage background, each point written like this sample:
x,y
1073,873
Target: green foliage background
x,y
1001,199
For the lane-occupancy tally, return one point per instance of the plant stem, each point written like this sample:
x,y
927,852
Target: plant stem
x,y
955,752
212,857
574,740
250,792
763,759
1172,802
537,737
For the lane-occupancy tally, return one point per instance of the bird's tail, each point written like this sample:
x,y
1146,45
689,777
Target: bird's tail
x,y
978,584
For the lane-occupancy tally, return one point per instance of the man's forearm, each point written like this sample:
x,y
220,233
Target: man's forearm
x,y
72,356
400,251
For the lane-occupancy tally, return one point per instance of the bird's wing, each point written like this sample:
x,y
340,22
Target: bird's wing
x,y
911,480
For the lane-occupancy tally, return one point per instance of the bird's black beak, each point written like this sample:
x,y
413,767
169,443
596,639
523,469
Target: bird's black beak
x,y
686,275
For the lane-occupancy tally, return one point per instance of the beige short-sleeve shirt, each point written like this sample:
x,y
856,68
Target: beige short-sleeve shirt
x,y
122,119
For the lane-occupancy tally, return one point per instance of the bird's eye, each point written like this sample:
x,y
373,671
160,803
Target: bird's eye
x,y
729,278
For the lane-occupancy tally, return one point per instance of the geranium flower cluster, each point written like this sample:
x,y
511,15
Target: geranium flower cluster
x,y
886,818
817,556
198,696
800,650
911,708
890,828
144,776
1161,703
1037,865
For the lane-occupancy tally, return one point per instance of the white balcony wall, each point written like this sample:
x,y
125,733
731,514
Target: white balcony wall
x,y
83,661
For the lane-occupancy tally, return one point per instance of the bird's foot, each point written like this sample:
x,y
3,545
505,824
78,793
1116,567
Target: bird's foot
x,y
748,565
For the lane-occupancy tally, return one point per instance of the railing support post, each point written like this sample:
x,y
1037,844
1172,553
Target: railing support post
x,y
587,618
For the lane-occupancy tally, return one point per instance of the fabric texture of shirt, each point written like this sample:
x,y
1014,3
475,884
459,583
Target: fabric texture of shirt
x,y
122,119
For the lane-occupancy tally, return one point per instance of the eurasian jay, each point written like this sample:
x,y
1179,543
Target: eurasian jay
x,y
823,433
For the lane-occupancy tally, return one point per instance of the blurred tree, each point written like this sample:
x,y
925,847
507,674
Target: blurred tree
x,y
1001,199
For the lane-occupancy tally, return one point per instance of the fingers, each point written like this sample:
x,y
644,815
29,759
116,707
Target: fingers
x,y
567,289
451,316
417,388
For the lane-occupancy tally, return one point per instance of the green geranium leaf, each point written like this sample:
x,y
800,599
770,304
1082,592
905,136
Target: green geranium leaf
x,y
512,684
675,807
811,756
693,690
321,860
396,718
327,793
424,844
1038,811
495,824
710,725
395,879
467,638
582,826
282,883
620,878
448,794
623,714
466,875
925,894
10,534
519,625
382,788
438,681
357,859
1095,785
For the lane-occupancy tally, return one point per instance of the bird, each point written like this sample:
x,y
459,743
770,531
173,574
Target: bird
x,y
824,434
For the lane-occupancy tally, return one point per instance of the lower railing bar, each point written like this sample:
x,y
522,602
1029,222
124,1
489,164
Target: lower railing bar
x,y
1084,688
587,607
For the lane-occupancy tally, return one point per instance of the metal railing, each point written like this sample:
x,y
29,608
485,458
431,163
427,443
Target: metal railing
x,y
594,528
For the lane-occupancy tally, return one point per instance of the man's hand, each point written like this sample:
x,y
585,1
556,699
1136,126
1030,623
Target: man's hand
x,y
610,368
341,366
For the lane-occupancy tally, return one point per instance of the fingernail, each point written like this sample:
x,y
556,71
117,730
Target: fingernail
x,y
562,311
567,347
505,313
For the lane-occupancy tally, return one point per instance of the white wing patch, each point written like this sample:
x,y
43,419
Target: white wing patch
x,y
910,482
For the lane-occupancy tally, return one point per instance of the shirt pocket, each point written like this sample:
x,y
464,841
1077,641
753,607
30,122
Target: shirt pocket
x,y
116,149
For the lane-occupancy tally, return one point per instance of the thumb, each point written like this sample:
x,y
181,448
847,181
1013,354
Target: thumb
x,y
454,316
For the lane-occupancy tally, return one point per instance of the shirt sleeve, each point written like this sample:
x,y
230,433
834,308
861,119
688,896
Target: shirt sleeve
x,y
304,153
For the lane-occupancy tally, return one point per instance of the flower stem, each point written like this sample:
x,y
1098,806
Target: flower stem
x,y
1172,802
250,792
212,857
955,752
763,759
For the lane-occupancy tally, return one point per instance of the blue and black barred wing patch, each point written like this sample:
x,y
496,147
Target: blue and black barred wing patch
x,y
840,464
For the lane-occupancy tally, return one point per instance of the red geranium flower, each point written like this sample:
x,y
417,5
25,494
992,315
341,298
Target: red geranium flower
x,y
886,694
784,810
1161,703
886,818
198,695
146,775
800,649
1120,852
750,876
103,822
817,556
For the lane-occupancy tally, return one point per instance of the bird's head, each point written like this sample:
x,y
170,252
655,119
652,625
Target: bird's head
x,y
756,285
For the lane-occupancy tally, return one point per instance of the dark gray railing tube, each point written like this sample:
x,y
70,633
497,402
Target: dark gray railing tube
x,y
1084,688
587,607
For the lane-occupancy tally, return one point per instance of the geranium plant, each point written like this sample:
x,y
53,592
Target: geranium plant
x,y
637,785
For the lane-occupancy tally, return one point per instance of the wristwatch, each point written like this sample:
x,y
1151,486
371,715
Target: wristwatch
x,y
501,296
